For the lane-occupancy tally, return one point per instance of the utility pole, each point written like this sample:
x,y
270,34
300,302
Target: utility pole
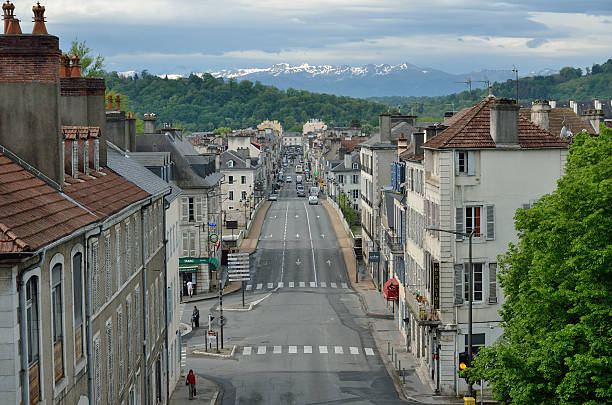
x,y
515,70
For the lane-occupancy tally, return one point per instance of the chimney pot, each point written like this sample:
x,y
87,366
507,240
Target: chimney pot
x,y
117,102
64,69
39,19
110,102
8,10
75,68
540,114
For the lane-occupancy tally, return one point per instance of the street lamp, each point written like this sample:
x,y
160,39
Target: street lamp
x,y
470,295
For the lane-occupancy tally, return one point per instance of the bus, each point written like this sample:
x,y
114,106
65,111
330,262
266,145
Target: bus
x,y
298,168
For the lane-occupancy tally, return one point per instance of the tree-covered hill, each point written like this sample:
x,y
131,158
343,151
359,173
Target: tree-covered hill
x,y
203,104
569,83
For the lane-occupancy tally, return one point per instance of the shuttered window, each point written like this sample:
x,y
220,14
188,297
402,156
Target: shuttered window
x,y
97,358
110,366
137,257
492,283
129,338
120,350
459,223
458,269
490,222
95,277
138,327
119,269
128,250
185,209
107,267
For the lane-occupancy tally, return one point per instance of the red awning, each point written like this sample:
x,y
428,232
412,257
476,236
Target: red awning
x,y
391,290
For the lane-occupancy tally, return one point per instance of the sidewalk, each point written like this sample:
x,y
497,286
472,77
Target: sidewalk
x,y
208,392
249,244
229,288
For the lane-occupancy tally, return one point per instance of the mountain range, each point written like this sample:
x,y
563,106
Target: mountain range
x,y
370,80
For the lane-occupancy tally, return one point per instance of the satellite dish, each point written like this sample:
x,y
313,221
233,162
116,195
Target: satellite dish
x,y
563,132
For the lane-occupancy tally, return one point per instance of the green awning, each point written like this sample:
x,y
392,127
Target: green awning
x,y
188,269
213,263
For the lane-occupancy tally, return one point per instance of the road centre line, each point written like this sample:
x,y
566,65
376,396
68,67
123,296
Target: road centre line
x,y
284,244
314,263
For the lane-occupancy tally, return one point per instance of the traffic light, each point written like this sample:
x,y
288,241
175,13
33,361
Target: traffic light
x,y
463,360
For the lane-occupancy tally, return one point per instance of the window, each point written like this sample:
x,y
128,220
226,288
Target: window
x,y
120,348
462,162
128,319
58,327
230,179
128,250
107,266
77,309
189,244
32,336
469,218
341,179
244,196
478,281
119,269
230,195
472,220
95,277
355,177
137,254
110,366
230,163
97,358
242,179
355,166
465,163
478,340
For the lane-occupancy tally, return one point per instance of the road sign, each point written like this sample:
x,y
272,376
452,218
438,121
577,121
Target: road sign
x,y
237,255
374,257
213,238
238,266
240,279
212,224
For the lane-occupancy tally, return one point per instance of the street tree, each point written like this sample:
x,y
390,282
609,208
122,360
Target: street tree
x,y
557,342
90,66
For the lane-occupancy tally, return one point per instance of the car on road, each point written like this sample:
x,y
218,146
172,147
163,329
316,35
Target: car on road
x,y
289,179
313,200
273,197
301,193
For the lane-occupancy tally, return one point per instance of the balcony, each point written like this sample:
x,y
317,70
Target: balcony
x,y
424,312
394,243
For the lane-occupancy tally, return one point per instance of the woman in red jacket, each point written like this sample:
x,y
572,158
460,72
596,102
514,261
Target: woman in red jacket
x,y
191,383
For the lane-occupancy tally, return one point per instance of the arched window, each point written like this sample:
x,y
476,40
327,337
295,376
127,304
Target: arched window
x,y
77,291
32,338
58,326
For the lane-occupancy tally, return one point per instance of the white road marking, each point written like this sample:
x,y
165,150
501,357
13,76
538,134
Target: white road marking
x,y
291,284
259,286
277,350
318,216
292,349
297,235
314,263
270,285
323,284
183,357
354,350
322,235
302,284
281,284
344,285
298,262
333,285
261,350
323,349
369,351
338,350
249,287
246,351
328,262
297,216
270,236
284,243
313,284
307,349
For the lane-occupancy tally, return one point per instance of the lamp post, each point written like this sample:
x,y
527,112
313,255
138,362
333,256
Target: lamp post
x,y
470,296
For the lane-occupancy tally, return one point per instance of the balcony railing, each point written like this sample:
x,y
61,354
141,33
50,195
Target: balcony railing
x,y
393,242
424,311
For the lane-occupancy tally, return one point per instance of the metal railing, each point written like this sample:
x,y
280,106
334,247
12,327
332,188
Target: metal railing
x,y
393,242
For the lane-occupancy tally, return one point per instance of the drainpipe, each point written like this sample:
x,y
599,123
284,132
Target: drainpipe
x,y
25,382
88,308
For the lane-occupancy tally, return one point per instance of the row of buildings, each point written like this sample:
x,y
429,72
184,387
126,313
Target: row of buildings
x,y
99,228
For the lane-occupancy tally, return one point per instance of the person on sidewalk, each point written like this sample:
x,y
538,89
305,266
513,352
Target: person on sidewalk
x,y
190,288
195,317
190,381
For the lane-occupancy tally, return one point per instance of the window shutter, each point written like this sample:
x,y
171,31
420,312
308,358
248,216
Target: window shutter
x,y
120,348
471,163
97,371
128,315
492,283
458,284
128,250
185,244
459,222
110,368
456,163
490,222
119,270
107,265
198,209
185,209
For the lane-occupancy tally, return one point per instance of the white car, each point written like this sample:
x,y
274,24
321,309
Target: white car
x,y
313,200
289,179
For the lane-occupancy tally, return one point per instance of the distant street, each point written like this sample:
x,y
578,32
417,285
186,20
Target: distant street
x,y
308,341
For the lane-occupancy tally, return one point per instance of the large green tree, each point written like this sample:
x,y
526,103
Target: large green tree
x,y
91,66
557,342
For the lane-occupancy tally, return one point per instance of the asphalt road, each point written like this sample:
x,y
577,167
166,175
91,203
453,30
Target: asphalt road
x,y
308,341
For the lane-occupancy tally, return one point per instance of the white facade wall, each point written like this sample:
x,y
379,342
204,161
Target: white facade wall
x,y
237,209
10,360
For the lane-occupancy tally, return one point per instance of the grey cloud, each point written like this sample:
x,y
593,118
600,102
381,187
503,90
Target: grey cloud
x,y
535,43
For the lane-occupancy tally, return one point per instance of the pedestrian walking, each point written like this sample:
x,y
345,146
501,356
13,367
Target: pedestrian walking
x,y
190,382
190,288
195,317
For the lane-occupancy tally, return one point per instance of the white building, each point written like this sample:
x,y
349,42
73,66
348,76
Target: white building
x,y
313,126
292,139
344,179
476,173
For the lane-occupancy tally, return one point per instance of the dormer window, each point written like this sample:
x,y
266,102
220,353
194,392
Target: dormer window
x,y
355,165
230,163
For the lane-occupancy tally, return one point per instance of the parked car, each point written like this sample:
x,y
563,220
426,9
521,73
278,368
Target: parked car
x,y
273,197
289,179
313,200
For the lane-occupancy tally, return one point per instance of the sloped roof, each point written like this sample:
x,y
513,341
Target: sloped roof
x,y
471,129
351,144
560,117
135,172
33,214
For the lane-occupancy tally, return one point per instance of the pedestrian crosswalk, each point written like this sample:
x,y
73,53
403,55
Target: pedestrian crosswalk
x,y
183,357
294,284
337,350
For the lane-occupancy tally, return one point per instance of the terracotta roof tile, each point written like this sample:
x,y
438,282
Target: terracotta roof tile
x,y
471,129
32,213
351,144
560,117
72,132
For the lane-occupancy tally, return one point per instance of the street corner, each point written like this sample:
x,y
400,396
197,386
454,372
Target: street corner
x,y
214,352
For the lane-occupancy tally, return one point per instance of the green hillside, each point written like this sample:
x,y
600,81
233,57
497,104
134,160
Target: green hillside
x,y
203,104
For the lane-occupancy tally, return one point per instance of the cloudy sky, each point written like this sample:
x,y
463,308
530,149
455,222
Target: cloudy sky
x,y
457,36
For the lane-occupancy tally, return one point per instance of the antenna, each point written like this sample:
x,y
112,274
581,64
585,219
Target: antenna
x,y
515,70
469,83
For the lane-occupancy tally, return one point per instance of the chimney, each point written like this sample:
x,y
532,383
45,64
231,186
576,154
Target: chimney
x,y
130,128
117,102
75,67
64,68
418,138
39,20
348,161
110,103
553,104
217,160
384,122
11,24
148,123
83,142
504,122
540,114
402,144
116,129
594,117
71,157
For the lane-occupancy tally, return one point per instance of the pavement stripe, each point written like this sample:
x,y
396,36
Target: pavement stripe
x,y
369,351
270,285
307,349
333,285
323,284
338,350
261,350
323,349
281,284
278,350
302,284
344,285
249,287
354,350
291,284
313,284
259,286
246,351
292,349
